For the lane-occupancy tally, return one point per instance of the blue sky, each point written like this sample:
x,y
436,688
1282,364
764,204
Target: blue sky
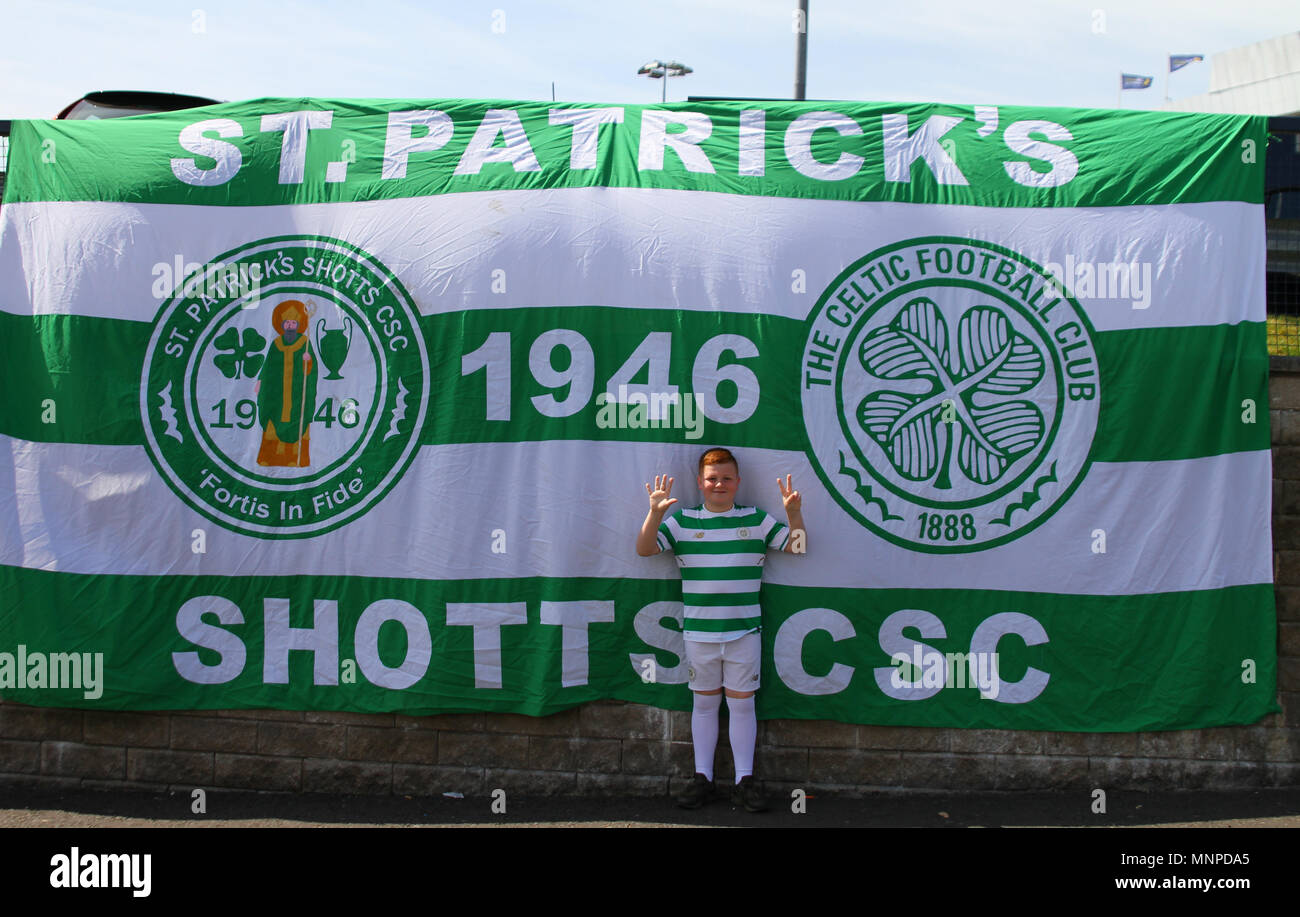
x,y
1030,52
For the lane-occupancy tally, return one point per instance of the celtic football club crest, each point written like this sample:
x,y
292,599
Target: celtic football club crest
x,y
950,393
284,388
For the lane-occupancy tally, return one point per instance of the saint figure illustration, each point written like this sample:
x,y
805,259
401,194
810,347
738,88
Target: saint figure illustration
x,y
286,390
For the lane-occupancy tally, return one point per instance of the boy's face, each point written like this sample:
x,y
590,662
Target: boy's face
x,y
719,484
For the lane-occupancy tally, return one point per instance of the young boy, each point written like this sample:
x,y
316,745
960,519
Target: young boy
x,y
720,548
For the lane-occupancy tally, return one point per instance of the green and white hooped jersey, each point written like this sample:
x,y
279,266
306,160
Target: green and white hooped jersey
x,y
721,556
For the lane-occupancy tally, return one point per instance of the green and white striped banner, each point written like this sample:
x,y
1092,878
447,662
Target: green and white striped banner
x,y
340,405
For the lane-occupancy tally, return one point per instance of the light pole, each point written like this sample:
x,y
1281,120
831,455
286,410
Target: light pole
x,y
801,51
661,70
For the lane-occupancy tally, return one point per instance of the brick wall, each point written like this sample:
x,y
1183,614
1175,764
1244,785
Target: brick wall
x,y
616,748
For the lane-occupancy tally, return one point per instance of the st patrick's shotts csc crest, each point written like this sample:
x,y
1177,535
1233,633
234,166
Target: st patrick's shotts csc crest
x,y
284,388
950,393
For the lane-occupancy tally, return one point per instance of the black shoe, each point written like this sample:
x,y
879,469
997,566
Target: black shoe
x,y
746,793
697,794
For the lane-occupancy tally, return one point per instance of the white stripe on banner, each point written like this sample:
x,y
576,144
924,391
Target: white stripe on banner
x,y
1131,267
103,510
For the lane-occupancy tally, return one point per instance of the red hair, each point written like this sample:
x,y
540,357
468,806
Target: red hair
x,y
718,456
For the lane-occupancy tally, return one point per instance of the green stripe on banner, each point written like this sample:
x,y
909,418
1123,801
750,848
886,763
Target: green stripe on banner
x,y
672,342
72,379
1008,156
1175,393
1179,660
90,369
1064,662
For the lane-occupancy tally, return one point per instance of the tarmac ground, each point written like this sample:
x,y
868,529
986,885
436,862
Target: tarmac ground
x,y
24,807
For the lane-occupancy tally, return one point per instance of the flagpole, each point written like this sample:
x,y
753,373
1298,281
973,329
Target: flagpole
x,y
1167,63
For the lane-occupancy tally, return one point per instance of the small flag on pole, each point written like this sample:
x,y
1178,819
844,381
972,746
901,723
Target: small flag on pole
x,y
1179,61
1131,81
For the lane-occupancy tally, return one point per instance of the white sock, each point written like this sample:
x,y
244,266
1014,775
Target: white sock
x,y
744,731
704,731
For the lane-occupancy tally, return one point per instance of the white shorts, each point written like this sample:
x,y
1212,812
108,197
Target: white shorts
x,y
733,665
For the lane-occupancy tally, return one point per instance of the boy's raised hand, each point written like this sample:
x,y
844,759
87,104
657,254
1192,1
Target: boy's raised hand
x,y
789,496
659,501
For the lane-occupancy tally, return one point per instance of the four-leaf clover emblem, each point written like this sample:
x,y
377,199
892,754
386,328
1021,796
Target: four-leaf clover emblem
x,y
968,413
234,354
